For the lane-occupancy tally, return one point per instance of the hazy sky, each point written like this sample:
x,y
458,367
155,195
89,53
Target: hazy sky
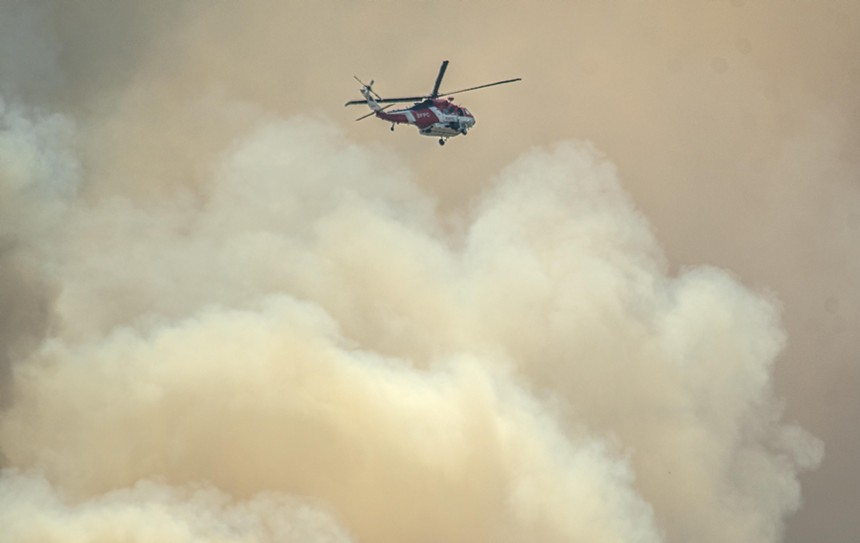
x,y
623,308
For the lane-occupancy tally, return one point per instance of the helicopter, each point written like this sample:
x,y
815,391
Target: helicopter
x,y
433,116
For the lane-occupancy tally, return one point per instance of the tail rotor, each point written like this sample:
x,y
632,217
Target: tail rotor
x,y
368,88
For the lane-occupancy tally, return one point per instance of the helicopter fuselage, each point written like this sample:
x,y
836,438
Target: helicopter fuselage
x,y
437,117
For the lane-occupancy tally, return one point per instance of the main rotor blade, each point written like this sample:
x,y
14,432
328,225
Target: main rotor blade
x,y
482,86
435,93
401,100
374,112
389,100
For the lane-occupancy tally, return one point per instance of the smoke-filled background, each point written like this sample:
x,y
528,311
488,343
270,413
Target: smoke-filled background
x,y
624,308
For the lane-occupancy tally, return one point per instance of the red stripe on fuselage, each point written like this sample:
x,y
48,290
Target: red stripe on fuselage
x,y
423,117
393,117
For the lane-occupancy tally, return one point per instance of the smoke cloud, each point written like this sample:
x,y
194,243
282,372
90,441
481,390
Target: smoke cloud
x,y
225,320
310,330
153,512
38,174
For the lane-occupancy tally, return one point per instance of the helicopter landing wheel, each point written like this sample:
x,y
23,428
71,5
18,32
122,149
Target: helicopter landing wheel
x,y
441,141
392,127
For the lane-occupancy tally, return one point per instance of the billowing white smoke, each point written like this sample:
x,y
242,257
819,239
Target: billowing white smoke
x,y
152,512
305,353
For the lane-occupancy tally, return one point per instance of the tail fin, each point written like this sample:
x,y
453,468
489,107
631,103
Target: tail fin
x,y
367,92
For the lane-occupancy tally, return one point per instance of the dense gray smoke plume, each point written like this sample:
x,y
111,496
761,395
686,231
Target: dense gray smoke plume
x,y
38,173
223,319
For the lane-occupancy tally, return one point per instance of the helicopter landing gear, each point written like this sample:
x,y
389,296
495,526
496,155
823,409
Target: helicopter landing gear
x,y
441,141
392,127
